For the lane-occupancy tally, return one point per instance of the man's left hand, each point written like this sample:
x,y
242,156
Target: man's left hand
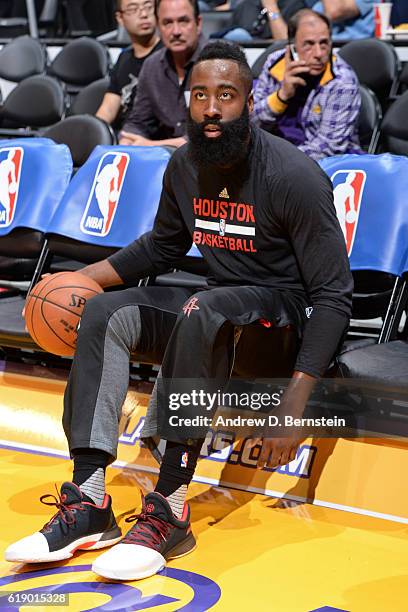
x,y
281,450
277,451
135,140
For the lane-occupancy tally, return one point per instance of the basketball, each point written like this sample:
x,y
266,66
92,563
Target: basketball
x,y
54,308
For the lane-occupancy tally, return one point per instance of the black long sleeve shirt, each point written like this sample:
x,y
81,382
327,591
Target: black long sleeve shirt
x,y
269,222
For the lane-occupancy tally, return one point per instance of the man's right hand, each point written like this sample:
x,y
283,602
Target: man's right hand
x,y
291,79
102,272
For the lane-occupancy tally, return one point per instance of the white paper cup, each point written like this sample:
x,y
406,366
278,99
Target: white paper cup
x,y
382,16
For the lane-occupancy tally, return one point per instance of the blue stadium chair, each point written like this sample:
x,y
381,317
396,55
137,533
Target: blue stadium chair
x,y
374,187
111,201
77,229
34,175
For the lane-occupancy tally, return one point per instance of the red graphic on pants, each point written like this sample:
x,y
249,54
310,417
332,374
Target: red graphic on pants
x,y
190,306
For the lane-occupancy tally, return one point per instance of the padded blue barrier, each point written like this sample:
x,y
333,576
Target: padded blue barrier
x,y
370,195
114,196
34,174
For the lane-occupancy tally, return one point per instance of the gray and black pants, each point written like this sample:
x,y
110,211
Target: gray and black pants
x,y
190,333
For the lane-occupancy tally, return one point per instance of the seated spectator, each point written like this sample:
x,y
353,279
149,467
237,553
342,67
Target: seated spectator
x,y
351,18
159,112
306,94
255,19
138,19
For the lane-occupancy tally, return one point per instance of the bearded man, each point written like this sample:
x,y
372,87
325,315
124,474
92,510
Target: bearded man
x,y
262,215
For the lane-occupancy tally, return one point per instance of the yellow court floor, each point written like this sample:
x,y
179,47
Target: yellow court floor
x,y
255,552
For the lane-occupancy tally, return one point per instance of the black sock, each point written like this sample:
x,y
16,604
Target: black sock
x,y
89,472
178,466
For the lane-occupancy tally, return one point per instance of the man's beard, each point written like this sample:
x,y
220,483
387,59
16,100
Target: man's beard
x,y
229,149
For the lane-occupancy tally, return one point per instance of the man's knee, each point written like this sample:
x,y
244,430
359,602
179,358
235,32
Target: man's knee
x,y
96,314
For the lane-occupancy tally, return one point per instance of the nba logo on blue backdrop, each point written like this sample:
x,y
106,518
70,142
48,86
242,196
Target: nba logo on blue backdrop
x,y
105,193
11,159
348,189
184,459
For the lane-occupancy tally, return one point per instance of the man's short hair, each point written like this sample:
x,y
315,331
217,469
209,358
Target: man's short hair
x,y
118,6
224,50
194,4
294,21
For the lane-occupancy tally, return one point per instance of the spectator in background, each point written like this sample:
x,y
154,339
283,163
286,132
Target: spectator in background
x,y
306,94
138,19
159,112
351,18
255,19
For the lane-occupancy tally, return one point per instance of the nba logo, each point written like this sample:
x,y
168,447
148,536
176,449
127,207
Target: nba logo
x,y
11,159
184,459
222,227
348,189
105,193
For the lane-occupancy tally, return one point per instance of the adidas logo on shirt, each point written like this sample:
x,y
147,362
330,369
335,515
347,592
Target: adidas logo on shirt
x,y
224,193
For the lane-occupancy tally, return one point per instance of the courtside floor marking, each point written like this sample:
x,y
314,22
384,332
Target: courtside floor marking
x,y
38,450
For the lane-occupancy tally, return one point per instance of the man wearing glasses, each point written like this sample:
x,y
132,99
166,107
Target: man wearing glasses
x,y
138,19
159,112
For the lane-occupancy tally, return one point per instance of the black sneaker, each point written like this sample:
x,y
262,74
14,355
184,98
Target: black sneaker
x,y
156,537
78,525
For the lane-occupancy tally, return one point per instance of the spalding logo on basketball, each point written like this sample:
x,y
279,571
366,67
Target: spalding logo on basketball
x,y
54,308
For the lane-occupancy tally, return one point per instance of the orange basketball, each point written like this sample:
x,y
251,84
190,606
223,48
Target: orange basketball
x,y
54,308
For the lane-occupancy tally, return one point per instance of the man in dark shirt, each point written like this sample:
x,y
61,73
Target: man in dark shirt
x,y
138,19
262,215
159,112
